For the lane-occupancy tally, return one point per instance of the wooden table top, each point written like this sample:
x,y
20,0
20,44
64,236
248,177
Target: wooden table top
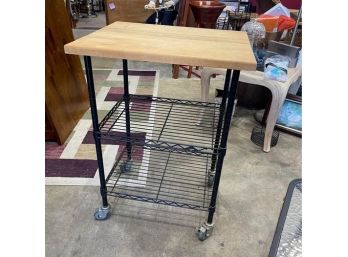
x,y
168,44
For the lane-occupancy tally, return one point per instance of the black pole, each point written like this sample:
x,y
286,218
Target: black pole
x,y
227,122
94,114
299,14
126,102
221,115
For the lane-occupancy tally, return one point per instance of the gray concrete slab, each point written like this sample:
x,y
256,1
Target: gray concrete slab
x,y
252,189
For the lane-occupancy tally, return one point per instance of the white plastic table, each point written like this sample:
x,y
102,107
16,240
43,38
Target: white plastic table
x,y
278,89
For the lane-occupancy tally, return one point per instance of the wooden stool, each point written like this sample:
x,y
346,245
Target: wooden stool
x,y
206,14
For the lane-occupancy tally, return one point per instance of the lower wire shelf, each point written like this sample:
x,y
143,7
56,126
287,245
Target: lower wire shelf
x,y
168,178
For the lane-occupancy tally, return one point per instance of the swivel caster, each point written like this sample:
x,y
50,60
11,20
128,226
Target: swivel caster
x,y
126,166
210,181
102,213
204,231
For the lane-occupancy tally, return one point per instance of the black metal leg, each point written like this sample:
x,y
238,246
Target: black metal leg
x,y
126,102
91,91
221,116
227,121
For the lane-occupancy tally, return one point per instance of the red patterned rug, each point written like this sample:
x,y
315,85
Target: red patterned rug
x,y
74,162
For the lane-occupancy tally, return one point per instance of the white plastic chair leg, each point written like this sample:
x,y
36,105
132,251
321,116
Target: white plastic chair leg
x,y
205,86
278,98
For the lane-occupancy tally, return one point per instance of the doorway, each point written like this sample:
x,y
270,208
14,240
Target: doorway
x,y
85,16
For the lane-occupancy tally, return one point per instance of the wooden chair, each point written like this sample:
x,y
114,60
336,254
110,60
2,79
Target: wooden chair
x,y
206,14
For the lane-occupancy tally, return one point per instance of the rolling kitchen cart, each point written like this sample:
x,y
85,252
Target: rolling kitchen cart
x,y
175,158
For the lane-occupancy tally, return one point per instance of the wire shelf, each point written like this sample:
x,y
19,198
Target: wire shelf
x,y
165,124
167,178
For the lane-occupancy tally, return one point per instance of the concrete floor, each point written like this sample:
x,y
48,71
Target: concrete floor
x,y
251,193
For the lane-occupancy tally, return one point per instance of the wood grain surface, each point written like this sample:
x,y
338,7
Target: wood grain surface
x,y
130,11
66,96
168,44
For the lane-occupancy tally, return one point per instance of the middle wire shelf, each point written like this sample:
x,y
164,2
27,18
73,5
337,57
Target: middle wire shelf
x,y
165,124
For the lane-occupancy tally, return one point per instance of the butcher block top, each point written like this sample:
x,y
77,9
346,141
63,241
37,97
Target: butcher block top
x,y
168,44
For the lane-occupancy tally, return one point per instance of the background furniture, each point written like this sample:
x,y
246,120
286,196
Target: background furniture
x,y
237,19
278,89
130,11
186,18
180,150
206,14
66,98
86,8
83,9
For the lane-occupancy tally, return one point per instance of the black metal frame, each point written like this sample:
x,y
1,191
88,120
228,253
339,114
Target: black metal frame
x,y
94,114
185,187
282,217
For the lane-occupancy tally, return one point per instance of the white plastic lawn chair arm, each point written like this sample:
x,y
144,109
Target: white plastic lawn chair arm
x,y
150,5
169,4
205,81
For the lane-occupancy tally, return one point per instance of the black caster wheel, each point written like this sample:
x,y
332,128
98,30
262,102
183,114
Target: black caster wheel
x,y
210,181
102,213
126,166
204,231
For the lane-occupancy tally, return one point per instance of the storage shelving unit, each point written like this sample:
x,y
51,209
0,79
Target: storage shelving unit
x,y
176,157
181,148
171,125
